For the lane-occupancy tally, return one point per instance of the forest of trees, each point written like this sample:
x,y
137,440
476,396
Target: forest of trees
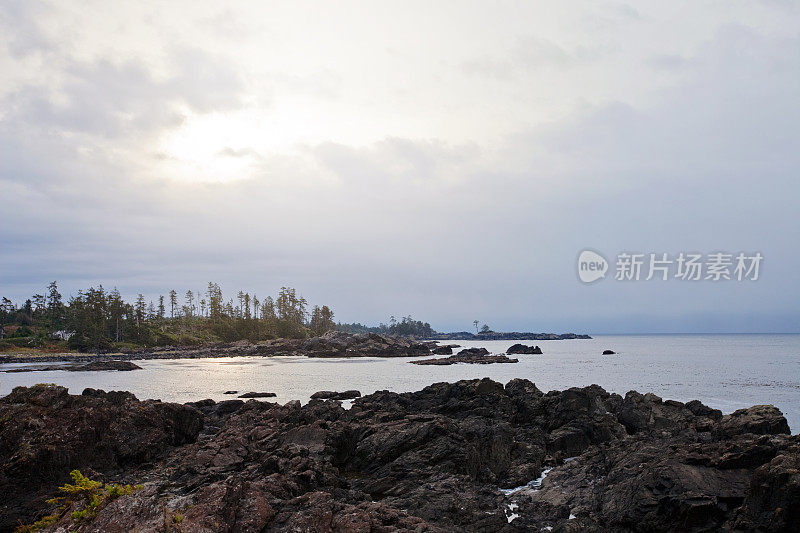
x,y
97,319
101,320
407,326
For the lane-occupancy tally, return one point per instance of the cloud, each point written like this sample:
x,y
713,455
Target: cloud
x,y
463,199
531,54
23,35
102,98
396,160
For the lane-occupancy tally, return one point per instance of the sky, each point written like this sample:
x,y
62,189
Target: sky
x,y
445,160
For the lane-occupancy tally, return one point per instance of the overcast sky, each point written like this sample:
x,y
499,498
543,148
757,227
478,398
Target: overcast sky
x,y
447,160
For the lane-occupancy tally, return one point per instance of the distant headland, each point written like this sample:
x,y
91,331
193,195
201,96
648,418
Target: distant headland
x,y
507,336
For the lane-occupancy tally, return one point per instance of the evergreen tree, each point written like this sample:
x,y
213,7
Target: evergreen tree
x,y
116,312
173,302
189,309
56,312
268,309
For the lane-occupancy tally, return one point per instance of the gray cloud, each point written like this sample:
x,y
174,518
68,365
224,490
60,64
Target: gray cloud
x,y
447,227
18,22
111,100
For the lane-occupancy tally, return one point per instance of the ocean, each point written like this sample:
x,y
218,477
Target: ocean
x,y
727,372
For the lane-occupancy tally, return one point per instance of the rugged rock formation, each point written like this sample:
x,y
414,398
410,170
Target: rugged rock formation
x,y
442,350
107,365
522,349
473,351
89,367
433,460
339,344
331,344
46,432
468,357
333,395
258,395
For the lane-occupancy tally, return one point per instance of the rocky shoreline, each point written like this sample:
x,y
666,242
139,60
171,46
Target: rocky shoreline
x,y
474,455
331,344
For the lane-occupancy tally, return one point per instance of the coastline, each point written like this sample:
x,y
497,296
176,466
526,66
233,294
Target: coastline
x,y
332,344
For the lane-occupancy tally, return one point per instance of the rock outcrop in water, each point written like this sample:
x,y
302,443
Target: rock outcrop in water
x,y
258,395
333,395
339,344
468,358
524,350
433,460
93,366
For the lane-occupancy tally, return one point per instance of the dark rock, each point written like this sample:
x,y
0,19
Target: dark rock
x,y
228,406
759,420
699,409
332,395
522,349
522,387
340,344
37,368
442,350
89,367
106,365
473,351
115,397
202,405
231,392
609,352
772,501
431,460
469,358
46,432
258,395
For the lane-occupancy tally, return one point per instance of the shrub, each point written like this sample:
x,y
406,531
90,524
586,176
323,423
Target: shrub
x,y
89,494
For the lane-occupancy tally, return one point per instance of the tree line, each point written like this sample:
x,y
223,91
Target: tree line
x,y
406,326
97,319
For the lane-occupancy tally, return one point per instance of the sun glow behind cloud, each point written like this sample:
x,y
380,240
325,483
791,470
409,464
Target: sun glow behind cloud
x,y
215,147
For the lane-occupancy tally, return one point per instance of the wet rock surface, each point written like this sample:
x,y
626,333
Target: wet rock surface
x,y
339,344
88,367
522,349
258,395
469,358
432,460
333,395
107,365
442,350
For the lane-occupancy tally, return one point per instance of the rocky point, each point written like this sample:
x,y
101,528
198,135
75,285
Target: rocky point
x,y
454,456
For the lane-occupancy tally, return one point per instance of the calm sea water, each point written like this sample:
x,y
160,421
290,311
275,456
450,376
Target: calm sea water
x,y
727,372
